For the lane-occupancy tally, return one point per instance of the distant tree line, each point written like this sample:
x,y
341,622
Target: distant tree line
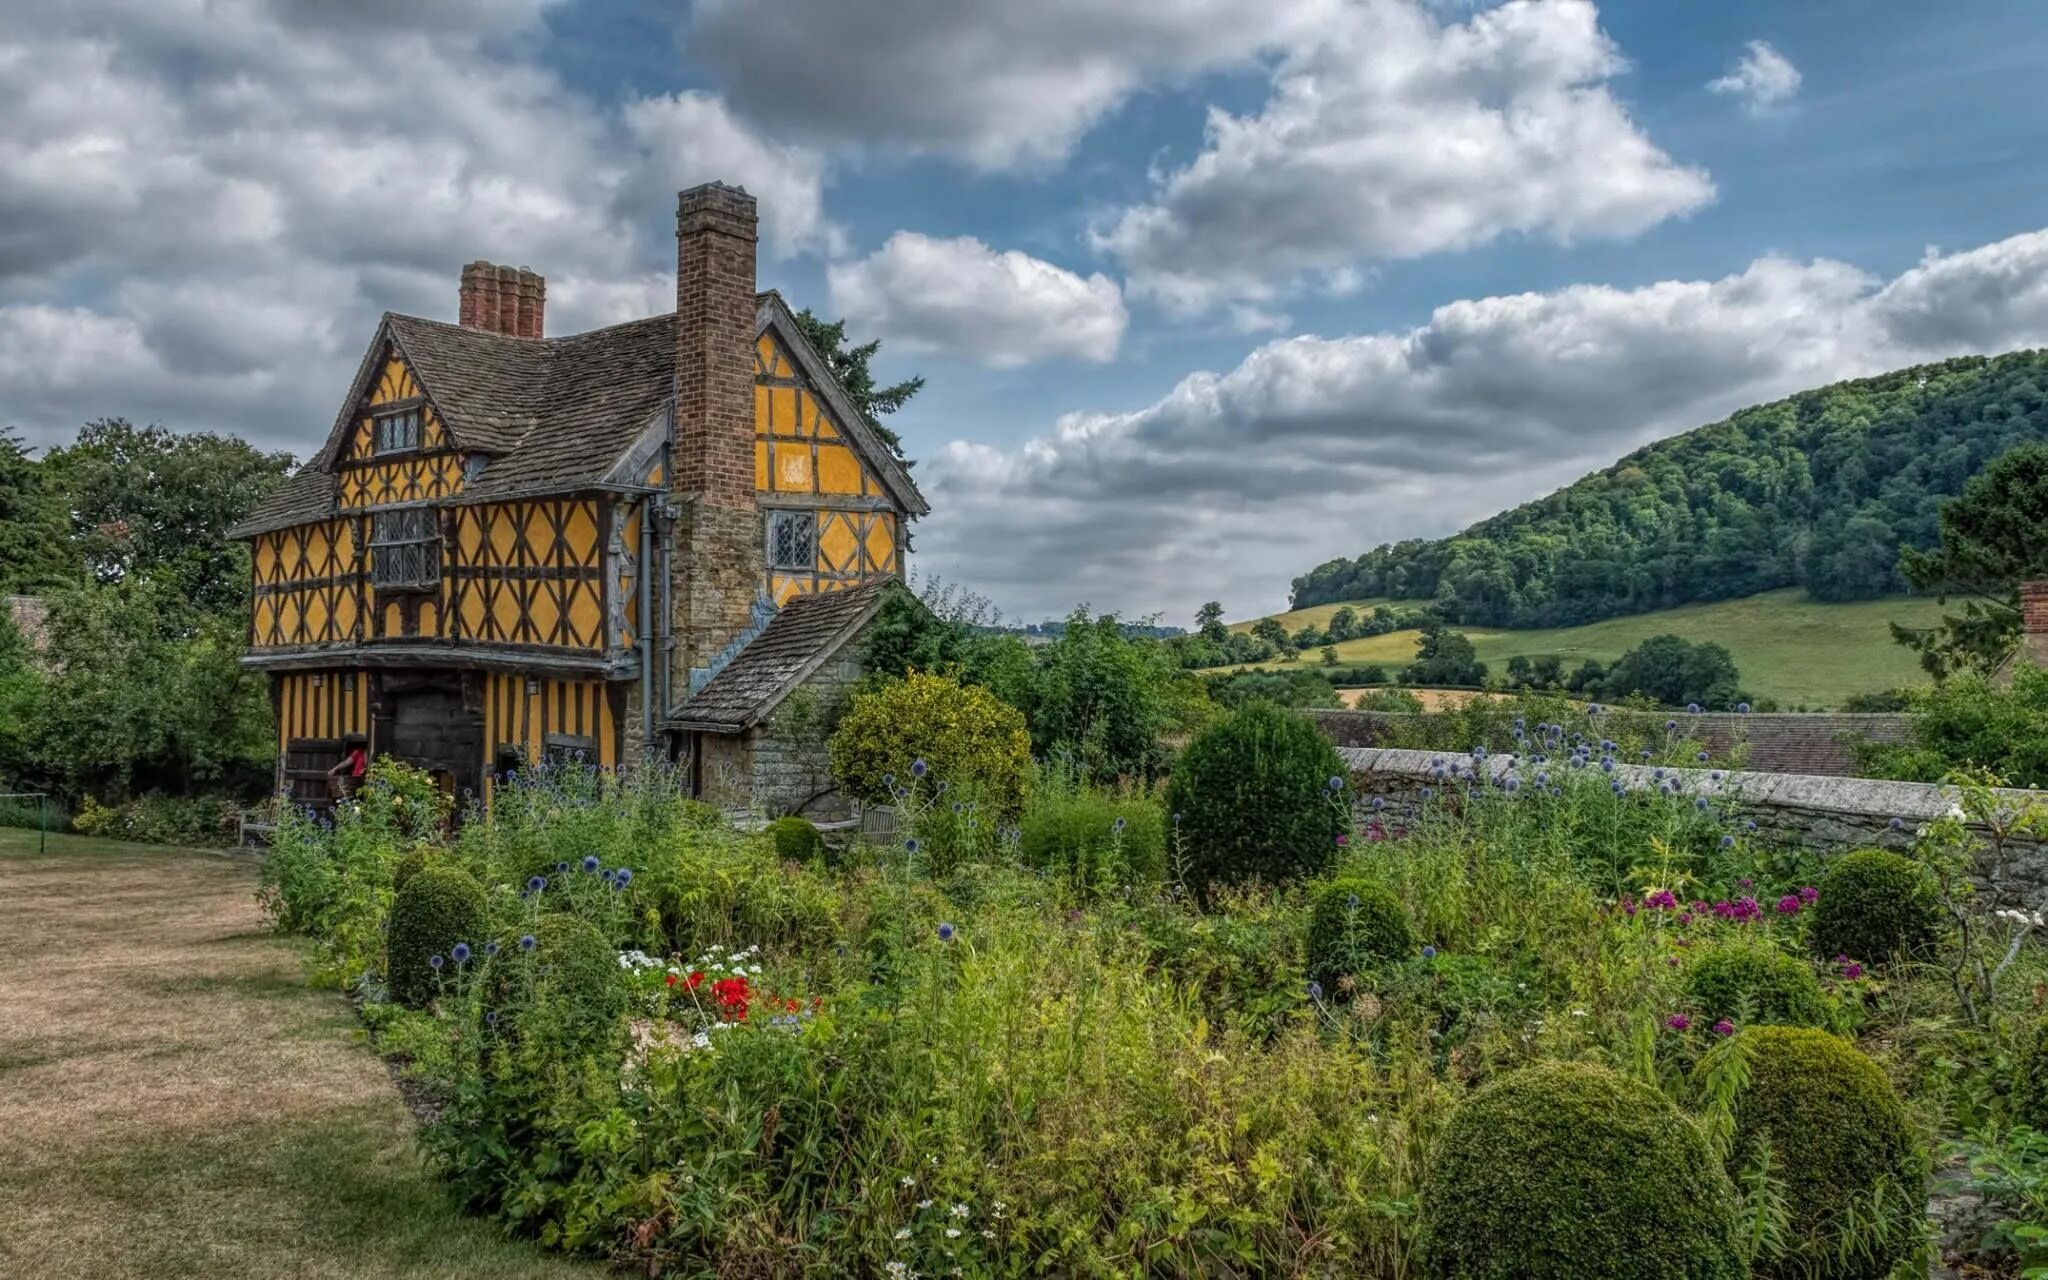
x,y
1821,490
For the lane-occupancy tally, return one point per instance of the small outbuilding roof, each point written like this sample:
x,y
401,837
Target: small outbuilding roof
x,y
801,638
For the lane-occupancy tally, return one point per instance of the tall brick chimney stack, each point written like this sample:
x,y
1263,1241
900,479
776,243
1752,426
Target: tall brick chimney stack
x,y
2034,621
719,564
507,300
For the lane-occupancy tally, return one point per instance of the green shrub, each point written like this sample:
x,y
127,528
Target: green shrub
x,y
2030,1081
796,839
1354,927
1577,1172
1839,1143
438,907
1754,983
568,992
962,734
1088,837
1253,798
409,864
1875,905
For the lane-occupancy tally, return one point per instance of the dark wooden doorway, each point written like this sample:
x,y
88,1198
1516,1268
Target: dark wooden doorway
x,y
434,722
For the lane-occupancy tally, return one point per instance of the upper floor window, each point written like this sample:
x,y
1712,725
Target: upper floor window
x,y
792,540
405,548
398,432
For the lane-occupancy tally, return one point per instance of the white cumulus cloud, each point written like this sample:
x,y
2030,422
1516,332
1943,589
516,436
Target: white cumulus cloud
x,y
1761,79
961,298
1390,134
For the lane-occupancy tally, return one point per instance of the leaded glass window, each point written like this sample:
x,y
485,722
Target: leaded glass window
x,y
792,540
405,548
398,432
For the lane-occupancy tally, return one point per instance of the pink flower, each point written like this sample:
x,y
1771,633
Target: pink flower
x,y
1789,905
1343,838
1809,895
1724,1028
1685,917
1662,900
1678,1022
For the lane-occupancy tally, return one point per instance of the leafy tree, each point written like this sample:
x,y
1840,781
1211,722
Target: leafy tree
x,y
1444,657
1819,490
1967,722
851,366
158,504
1272,632
1209,623
1993,537
33,554
1329,655
1103,699
1675,672
1344,624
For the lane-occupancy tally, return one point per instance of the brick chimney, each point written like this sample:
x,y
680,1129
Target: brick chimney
x,y
2034,621
507,300
718,571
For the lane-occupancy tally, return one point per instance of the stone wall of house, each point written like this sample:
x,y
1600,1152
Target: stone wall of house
x,y
1773,742
1828,814
792,772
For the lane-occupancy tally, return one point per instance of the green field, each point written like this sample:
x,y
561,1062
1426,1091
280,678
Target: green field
x,y
1788,647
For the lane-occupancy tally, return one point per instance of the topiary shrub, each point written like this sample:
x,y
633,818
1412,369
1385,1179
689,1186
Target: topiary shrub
x,y
1750,983
2030,1084
1876,905
1354,927
796,839
438,907
1253,798
565,991
1838,1143
409,864
1569,1171
1087,838
964,736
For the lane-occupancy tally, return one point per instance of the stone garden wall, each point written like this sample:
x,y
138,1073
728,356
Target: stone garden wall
x,y
1829,814
1774,742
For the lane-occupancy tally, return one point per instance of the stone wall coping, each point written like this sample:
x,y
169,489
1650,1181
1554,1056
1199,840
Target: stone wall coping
x,y
1879,798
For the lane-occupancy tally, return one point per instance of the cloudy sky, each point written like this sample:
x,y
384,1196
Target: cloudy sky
x,y
1205,291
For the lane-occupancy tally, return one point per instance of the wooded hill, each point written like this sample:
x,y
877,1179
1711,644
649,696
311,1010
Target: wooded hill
x,y
1818,490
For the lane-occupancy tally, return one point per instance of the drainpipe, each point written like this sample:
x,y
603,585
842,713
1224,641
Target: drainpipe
x,y
666,553
647,691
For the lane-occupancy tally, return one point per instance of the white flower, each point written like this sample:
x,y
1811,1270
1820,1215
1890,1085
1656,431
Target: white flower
x,y
896,1269
1001,1208
907,1180
1578,1013
958,1211
952,1233
924,1204
1955,810
2031,919
986,1234
903,1233
700,1041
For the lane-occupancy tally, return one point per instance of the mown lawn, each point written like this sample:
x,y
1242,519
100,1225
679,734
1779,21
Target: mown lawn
x,y
1790,648
176,1102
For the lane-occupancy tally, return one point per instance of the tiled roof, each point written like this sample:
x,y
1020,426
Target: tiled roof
x,y
553,415
799,640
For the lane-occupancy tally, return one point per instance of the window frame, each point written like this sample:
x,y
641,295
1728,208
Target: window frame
x,y
809,521
380,421
426,539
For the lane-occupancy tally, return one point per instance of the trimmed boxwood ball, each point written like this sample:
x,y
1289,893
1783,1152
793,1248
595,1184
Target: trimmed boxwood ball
x,y
1836,1133
1570,1171
796,839
1876,905
1755,983
1253,796
437,907
568,990
408,865
2030,1085
1355,926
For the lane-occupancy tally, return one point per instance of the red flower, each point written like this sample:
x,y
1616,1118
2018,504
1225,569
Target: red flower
x,y
696,977
671,979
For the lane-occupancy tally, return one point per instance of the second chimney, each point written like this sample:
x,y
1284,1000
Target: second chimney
x,y
507,300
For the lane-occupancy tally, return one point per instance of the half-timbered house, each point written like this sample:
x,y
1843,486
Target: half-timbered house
x,y
662,537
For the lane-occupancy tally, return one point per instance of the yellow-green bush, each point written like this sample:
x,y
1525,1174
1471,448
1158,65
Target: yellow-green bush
x,y
1569,1171
795,839
438,907
1088,837
1825,1123
1753,982
961,734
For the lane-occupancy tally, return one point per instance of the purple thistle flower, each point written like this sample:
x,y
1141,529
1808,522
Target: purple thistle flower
x,y
889,781
527,942
534,884
1727,842
1336,783
435,962
1898,824
1742,707
918,767
1118,825
1701,757
590,862
624,877
491,1017
945,931
1315,990
1429,953
1724,1028
1692,708
910,845
1678,1022
460,952
490,948
562,867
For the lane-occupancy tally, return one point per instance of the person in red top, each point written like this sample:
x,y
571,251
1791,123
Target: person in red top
x,y
344,778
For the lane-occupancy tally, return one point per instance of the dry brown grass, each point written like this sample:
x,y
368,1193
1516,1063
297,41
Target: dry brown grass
x,y
175,1101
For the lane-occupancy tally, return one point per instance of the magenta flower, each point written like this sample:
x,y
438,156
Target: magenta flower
x,y
1852,971
1809,895
1342,839
1789,905
1662,900
1678,1022
1724,1028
